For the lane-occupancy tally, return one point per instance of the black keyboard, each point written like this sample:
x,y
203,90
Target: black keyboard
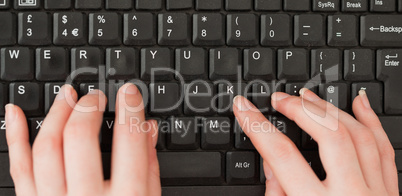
x,y
169,48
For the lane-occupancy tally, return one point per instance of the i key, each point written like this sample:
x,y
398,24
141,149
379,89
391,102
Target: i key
x,y
242,30
104,29
69,29
34,29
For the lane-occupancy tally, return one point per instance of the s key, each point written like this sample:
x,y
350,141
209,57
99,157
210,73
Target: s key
x,y
34,29
28,96
104,29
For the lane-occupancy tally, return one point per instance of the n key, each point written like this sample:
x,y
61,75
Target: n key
x,y
34,29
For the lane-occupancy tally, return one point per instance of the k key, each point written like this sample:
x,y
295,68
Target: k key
x,y
69,29
34,29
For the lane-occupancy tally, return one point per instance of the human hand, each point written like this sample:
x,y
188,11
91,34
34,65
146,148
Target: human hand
x,y
356,153
66,159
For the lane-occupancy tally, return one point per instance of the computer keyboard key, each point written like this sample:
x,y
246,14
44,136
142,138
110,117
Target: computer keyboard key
x,y
241,167
119,5
242,30
7,191
337,94
104,29
293,64
17,64
259,64
5,178
121,63
392,126
191,168
148,4
184,133
179,4
26,4
292,88
88,4
374,92
400,5
208,4
165,98
156,64
208,29
51,91
139,29
276,30
343,30
106,134
268,5
5,4
224,63
57,5
287,127
227,92
191,63
173,29
28,96
398,159
235,190
85,62
198,98
34,125
327,6
382,6
381,30
85,88
309,30
354,5
52,64
3,139
69,28
296,5
308,142
261,95
241,140
359,65
326,64
238,5
313,159
216,133
9,29
34,28
389,71
3,98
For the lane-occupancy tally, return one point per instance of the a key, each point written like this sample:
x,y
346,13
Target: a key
x,y
381,30
52,64
359,65
259,64
34,28
3,139
3,98
241,140
242,30
31,4
267,5
16,64
156,63
238,5
389,71
276,30
208,4
392,125
198,98
35,124
60,4
121,63
5,178
327,6
51,91
227,92
293,64
216,133
88,4
309,30
179,4
241,167
104,29
8,29
374,92
191,63
342,30
85,63
354,5
173,29
106,134
224,64
165,98
294,88
261,95
296,5
208,29
119,5
326,65
382,6
139,29
69,29
184,134
28,96
148,4
337,94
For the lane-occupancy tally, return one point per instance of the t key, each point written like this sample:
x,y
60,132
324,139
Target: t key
x,y
33,29
104,29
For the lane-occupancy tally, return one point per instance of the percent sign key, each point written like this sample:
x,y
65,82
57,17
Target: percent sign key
x,y
104,29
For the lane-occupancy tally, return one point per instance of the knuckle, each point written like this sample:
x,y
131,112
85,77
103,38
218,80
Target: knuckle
x,y
341,135
42,146
366,138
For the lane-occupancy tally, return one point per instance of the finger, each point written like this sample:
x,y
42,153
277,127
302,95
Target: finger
x,y
82,157
19,149
272,186
336,149
282,156
365,115
130,155
154,177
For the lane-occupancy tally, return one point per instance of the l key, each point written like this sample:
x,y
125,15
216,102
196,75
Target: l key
x,y
34,29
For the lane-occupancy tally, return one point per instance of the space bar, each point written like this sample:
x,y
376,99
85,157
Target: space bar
x,y
255,190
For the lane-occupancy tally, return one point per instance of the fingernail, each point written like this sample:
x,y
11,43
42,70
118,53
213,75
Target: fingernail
x,y
10,113
309,96
94,92
279,96
241,103
130,89
64,92
363,96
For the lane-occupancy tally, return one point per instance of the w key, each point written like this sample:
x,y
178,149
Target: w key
x,y
34,29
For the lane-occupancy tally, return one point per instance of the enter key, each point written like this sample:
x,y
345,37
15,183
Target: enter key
x,y
381,30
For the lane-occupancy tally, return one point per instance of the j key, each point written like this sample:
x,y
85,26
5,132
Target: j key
x,y
35,124
85,63
104,29
241,167
209,167
179,5
208,29
184,134
293,64
52,64
165,98
382,6
121,63
241,139
88,4
173,29
69,29
3,98
374,93
336,93
354,5
60,4
156,63
268,5
51,91
5,178
261,95
3,139
16,64
139,29
242,30
208,4
191,63
224,64
392,125
148,4
198,98
296,5
389,71
106,135
239,5
327,6
228,91
8,30
259,64
276,30
28,96
294,88
359,65
309,30
119,5
34,4
342,30
326,64
34,29
216,133
381,30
